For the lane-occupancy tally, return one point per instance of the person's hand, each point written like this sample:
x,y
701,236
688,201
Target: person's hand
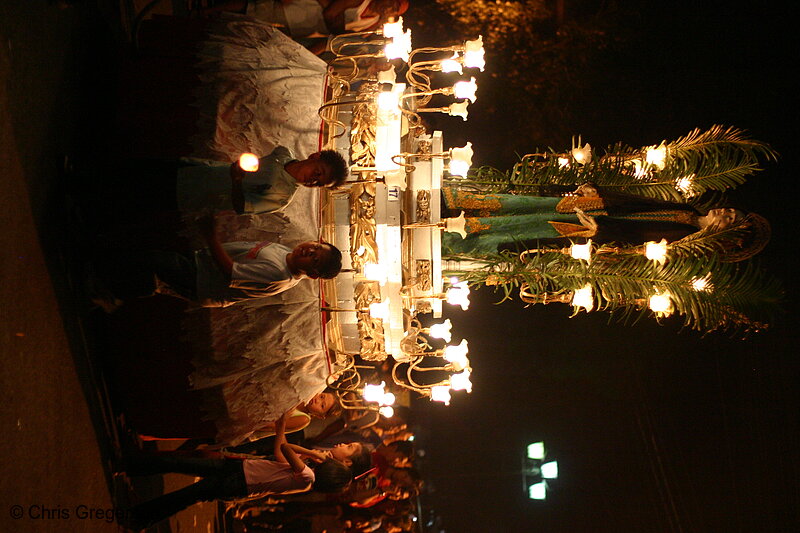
x,y
587,190
319,456
588,221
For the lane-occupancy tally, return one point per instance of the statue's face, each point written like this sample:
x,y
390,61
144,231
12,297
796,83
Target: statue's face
x,y
722,217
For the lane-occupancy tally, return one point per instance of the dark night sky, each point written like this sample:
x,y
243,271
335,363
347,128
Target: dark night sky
x,y
654,429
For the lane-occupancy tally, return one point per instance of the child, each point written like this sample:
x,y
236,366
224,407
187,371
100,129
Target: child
x,y
219,275
266,190
237,478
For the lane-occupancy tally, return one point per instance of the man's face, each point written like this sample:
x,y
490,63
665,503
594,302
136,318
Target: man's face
x,y
309,256
319,405
312,172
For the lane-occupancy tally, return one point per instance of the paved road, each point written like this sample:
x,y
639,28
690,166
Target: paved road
x,y
56,94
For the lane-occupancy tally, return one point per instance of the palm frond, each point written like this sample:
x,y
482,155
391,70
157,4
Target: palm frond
x,y
736,298
716,159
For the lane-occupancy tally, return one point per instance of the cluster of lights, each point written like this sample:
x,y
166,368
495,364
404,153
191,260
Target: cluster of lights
x,y
544,471
655,158
685,185
581,155
378,394
398,46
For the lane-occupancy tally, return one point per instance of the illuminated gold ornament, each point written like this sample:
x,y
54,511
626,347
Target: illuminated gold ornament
x,y
639,168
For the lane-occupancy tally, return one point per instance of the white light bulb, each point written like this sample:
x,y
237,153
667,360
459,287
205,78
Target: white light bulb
x,y
248,162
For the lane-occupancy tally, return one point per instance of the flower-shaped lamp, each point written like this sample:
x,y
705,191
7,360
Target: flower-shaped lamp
x,y
456,352
374,393
458,296
466,89
584,297
388,399
393,29
441,393
582,251
474,54
582,155
458,109
702,284
461,381
456,225
656,251
661,304
441,331
452,64
399,48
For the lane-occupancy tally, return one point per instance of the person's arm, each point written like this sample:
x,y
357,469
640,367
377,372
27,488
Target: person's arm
x,y
285,452
314,455
291,457
237,192
280,438
208,229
